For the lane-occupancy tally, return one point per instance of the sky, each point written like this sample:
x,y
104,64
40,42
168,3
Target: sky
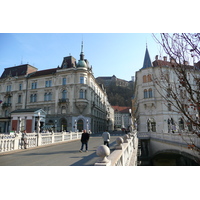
x,y
119,54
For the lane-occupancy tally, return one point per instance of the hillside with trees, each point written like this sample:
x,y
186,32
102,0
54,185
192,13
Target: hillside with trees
x,y
120,96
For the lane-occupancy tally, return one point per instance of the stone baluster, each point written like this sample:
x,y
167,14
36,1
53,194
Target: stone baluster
x,y
103,151
126,137
119,142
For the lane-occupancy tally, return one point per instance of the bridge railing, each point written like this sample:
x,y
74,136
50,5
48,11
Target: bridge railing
x,y
14,142
125,149
183,138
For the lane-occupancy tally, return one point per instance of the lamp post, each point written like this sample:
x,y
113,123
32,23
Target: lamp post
x,y
75,126
130,120
20,124
38,124
87,125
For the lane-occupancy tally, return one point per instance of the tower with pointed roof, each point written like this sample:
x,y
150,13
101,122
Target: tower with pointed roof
x,y
147,60
81,62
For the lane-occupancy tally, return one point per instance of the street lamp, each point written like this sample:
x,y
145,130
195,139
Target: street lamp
x,y
75,126
20,124
38,124
130,121
87,125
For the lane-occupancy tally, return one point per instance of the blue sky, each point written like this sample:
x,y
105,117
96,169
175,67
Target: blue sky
x,y
119,54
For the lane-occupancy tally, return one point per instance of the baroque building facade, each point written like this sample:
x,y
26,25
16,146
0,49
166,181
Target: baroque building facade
x,y
69,95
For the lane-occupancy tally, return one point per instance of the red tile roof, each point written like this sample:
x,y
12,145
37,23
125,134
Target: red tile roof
x,y
122,109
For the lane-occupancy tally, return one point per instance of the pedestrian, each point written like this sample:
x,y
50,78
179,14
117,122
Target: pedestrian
x,y
84,140
24,139
106,137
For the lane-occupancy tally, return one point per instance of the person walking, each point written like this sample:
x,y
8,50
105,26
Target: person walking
x,y
84,140
106,138
24,139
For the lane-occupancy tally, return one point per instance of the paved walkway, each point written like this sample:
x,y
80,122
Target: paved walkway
x,y
63,154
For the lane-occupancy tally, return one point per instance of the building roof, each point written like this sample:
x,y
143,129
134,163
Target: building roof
x,y
20,70
44,72
121,109
147,60
25,110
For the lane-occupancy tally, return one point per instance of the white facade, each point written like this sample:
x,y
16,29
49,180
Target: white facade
x,y
152,112
68,94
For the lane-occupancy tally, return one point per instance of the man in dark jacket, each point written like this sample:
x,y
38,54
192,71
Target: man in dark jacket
x,y
84,140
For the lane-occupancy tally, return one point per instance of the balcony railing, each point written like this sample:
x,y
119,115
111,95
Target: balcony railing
x,y
6,105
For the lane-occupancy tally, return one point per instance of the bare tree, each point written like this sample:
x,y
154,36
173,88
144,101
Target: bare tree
x,y
179,83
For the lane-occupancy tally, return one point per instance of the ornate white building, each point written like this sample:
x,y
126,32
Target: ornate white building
x,y
152,112
68,94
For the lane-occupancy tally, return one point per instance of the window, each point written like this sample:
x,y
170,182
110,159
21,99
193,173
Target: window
x,y
149,78
64,94
82,94
20,99
8,88
48,96
144,79
82,80
34,85
20,86
145,94
48,83
150,93
181,124
33,98
45,97
64,81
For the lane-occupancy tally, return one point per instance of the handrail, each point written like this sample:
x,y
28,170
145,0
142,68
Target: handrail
x,y
122,155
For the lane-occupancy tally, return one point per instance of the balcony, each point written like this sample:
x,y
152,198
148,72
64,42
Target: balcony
x,y
6,105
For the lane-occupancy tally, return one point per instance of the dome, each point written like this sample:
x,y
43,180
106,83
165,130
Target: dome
x,y
81,63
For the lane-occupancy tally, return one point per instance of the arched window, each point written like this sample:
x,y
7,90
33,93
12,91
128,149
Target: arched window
x,y
45,97
63,124
35,98
150,93
149,78
80,125
50,96
145,94
64,94
144,79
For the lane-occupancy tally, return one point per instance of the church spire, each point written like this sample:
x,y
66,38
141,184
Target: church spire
x,y
147,60
82,54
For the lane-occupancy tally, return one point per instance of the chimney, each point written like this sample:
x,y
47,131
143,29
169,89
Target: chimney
x,y
156,57
165,58
172,60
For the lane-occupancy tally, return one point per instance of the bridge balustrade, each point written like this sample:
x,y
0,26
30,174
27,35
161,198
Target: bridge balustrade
x,y
125,150
10,143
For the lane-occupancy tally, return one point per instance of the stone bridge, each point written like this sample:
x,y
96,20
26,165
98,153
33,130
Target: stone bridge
x,y
62,149
168,149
